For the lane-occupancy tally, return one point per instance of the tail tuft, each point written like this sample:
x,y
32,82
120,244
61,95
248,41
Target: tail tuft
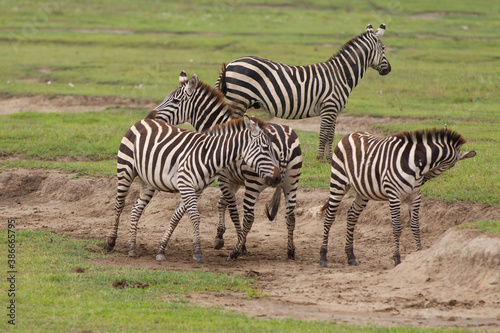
x,y
273,205
221,80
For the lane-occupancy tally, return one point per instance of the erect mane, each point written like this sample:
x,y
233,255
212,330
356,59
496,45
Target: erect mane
x,y
215,93
452,137
234,124
349,44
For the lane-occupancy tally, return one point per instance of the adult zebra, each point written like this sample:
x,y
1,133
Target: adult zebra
x,y
207,108
391,168
167,158
296,92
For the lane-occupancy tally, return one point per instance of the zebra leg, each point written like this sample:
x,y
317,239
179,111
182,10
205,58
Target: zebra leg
x,y
290,220
176,217
228,199
251,196
145,196
395,207
352,217
190,200
337,192
326,133
124,182
414,209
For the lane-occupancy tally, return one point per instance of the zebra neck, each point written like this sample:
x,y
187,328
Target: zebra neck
x,y
351,63
223,149
211,116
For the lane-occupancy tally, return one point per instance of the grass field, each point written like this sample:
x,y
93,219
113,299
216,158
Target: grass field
x,y
445,70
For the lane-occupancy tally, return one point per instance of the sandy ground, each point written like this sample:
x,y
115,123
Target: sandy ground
x,y
453,282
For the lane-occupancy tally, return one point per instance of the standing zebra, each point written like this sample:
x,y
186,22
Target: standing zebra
x,y
391,168
167,158
296,92
203,110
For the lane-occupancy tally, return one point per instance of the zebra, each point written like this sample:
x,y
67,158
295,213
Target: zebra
x,y
297,92
391,168
207,108
167,158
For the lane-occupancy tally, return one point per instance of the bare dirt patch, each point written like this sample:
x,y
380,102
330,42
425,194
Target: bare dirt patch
x,y
454,281
70,103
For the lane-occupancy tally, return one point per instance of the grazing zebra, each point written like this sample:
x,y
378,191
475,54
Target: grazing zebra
x,y
296,92
203,110
391,168
167,158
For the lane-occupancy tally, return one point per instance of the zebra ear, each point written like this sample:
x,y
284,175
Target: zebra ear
x,y
251,125
182,78
466,155
369,28
192,84
380,31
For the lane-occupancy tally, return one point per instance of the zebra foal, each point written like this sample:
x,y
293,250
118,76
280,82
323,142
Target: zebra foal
x,y
170,159
391,168
297,92
207,108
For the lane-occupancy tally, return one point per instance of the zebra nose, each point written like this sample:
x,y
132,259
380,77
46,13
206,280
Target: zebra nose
x,y
385,70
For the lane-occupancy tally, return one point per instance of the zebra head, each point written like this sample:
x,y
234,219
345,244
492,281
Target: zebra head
x,y
450,153
168,109
380,62
259,155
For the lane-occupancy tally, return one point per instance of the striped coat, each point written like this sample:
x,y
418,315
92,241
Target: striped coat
x,y
391,168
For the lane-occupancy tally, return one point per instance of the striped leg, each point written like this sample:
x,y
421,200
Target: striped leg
x,y
395,207
326,132
124,182
414,209
176,217
227,199
352,217
145,196
251,196
337,192
190,200
291,198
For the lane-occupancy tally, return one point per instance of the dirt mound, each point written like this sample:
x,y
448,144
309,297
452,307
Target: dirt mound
x,y
453,281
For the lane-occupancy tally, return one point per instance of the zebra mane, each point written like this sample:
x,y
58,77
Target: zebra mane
x,y
214,93
349,44
234,124
441,134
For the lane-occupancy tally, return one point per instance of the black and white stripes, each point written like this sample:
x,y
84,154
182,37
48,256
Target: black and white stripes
x,y
296,92
170,159
391,168
207,108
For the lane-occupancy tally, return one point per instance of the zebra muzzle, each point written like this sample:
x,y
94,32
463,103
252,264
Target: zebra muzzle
x,y
275,179
385,70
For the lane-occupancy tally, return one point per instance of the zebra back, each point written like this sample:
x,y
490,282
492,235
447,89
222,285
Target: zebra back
x,y
378,167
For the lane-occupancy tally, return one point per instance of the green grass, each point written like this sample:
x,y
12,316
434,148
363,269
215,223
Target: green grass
x,y
52,297
488,226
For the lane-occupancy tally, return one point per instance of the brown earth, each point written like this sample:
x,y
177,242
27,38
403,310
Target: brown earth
x,y
453,282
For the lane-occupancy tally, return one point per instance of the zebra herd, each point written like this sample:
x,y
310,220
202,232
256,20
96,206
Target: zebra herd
x,y
240,150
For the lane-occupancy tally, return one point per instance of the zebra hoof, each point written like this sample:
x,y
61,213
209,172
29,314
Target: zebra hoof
x,y
110,244
353,262
218,243
232,256
132,253
160,257
291,255
198,257
322,264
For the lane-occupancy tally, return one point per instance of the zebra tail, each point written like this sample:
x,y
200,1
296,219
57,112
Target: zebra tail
x,y
273,205
221,80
